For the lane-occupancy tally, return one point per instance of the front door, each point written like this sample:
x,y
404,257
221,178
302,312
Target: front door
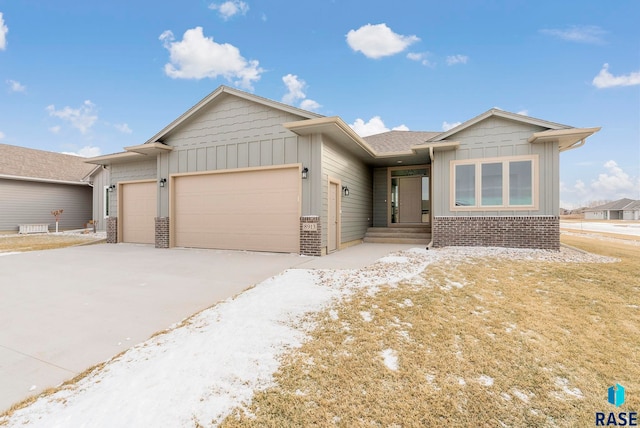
x,y
409,200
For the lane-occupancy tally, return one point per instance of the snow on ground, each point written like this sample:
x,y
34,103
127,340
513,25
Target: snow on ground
x,y
213,362
631,228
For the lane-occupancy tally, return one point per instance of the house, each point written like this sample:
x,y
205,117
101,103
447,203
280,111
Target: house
x,y
238,171
35,182
622,209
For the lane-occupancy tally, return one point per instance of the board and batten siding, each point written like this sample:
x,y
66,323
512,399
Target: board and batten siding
x,y
29,202
380,189
237,133
145,169
100,180
491,138
356,209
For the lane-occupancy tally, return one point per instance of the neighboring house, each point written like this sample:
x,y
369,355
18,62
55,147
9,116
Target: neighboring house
x,y
35,182
622,209
238,171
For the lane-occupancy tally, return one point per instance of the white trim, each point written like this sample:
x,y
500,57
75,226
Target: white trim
x,y
45,180
505,206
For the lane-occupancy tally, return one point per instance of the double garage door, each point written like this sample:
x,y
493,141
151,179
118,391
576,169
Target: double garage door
x,y
247,210
255,210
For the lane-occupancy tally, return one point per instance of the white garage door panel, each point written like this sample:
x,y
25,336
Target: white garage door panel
x,y
138,212
250,210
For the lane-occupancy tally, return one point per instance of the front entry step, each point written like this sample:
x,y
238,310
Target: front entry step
x,y
398,235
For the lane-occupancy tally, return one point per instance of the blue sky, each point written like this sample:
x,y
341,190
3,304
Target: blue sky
x,y
91,77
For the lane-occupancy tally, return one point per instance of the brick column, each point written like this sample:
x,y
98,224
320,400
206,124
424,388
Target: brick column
x,y
162,232
310,236
112,230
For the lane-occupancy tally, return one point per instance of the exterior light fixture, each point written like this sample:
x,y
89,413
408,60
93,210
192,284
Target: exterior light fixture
x,y
163,182
305,173
345,190
112,187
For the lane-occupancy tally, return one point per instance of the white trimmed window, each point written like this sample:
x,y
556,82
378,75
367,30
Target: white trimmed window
x,y
492,184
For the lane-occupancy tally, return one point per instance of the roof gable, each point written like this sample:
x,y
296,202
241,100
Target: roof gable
x,y
22,162
494,112
219,94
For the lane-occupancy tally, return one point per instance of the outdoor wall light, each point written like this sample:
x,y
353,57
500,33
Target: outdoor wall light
x,y
345,190
163,181
112,187
305,173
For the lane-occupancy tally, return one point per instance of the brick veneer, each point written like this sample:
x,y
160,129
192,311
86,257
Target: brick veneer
x,y
513,232
162,232
112,230
310,240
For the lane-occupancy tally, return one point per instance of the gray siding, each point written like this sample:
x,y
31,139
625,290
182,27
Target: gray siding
x,y
497,137
24,202
236,133
357,208
380,207
132,171
100,180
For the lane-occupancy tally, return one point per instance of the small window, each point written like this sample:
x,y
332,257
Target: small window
x,y
105,203
498,183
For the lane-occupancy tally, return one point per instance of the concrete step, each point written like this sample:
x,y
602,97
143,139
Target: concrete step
x,y
421,235
393,230
392,240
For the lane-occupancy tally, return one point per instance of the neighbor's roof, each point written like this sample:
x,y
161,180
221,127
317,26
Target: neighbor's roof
x,y
620,204
398,141
39,165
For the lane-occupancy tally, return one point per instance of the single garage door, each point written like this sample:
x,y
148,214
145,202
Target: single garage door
x,y
249,210
138,212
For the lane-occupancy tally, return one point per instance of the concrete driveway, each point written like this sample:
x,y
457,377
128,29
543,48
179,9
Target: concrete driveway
x,y
63,311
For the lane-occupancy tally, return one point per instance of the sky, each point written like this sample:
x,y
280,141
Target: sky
x,y
90,78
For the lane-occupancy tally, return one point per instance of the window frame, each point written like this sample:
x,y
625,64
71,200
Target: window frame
x,y
506,203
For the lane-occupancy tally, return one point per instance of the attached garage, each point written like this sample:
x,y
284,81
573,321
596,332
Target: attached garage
x,y
242,209
138,207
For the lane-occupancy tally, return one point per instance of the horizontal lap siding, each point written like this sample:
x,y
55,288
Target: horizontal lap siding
x,y
356,208
234,133
24,202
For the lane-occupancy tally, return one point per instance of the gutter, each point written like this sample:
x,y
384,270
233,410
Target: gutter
x,y
45,180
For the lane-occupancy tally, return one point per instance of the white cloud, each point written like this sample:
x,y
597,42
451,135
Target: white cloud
x,y
82,118
524,112
2,135
123,127
230,8
375,125
447,126
86,152
15,86
3,33
457,59
197,57
419,57
296,91
612,184
581,34
55,129
604,79
377,41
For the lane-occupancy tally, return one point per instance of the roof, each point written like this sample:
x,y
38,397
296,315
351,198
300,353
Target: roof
x,y
398,141
620,204
220,91
39,165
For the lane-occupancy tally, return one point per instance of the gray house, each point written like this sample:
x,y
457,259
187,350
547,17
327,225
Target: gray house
x,y
238,171
622,209
34,182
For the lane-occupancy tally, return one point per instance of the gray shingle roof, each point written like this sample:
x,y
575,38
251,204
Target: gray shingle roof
x,y
32,163
620,204
398,141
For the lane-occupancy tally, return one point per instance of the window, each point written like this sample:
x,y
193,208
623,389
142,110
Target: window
x,y
491,184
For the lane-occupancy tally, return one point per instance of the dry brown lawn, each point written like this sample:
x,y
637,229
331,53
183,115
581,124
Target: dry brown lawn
x,y
21,243
482,342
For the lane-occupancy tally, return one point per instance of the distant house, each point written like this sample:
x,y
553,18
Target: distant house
x,y
622,209
35,182
238,171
